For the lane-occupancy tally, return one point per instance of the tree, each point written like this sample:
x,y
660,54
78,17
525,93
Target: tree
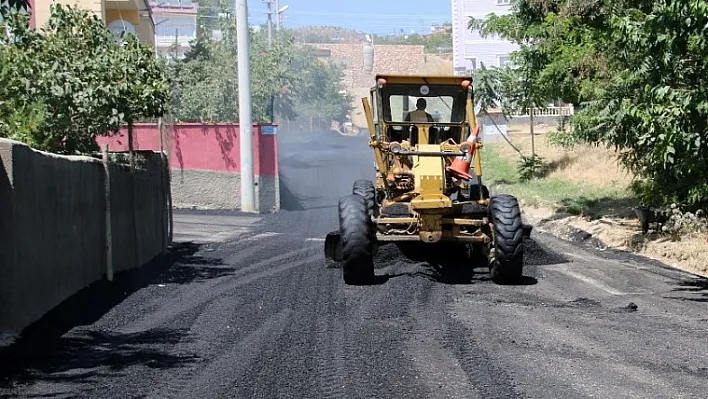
x,y
319,91
66,79
17,4
639,71
205,82
654,108
141,86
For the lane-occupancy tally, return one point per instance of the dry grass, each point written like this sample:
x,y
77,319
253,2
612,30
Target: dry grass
x,y
589,180
585,181
584,165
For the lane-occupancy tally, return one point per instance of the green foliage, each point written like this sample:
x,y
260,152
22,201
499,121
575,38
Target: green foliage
x,y
561,137
324,34
24,123
205,82
432,43
71,81
319,86
654,108
531,167
639,68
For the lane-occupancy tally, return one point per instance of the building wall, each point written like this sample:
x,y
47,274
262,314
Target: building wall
x,y
205,160
53,234
107,11
470,50
42,8
176,21
400,59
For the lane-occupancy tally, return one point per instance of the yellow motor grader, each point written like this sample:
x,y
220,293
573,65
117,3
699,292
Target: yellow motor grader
x,y
428,182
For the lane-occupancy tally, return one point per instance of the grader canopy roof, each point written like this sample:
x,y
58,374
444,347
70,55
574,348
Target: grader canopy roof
x,y
445,96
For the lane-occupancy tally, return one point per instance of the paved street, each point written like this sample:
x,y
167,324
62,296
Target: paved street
x,y
250,310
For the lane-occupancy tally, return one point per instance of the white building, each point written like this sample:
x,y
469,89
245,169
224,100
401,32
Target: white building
x,y
175,23
468,47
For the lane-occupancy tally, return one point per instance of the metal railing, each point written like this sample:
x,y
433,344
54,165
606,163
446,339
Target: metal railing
x,y
545,111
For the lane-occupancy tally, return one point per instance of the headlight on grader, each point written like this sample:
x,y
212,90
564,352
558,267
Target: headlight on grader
x,y
466,148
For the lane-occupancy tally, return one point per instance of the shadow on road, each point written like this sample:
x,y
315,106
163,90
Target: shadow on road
x,y
536,254
85,357
44,348
695,290
288,200
454,264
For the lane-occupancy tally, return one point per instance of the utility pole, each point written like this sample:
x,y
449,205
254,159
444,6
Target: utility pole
x,y
279,16
248,193
270,23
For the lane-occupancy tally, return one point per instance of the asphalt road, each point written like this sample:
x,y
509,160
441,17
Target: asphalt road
x,y
250,310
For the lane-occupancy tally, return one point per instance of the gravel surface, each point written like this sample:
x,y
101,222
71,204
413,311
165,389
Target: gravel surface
x,y
251,310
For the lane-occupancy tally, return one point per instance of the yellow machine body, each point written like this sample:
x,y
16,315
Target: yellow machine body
x,y
412,159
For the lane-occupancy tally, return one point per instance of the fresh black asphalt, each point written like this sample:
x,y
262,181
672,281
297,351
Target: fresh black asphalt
x,y
261,315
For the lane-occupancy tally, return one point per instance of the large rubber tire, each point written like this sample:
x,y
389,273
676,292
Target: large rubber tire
x,y
366,189
357,239
507,267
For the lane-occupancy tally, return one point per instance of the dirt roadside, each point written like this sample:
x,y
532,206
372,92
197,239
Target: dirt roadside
x,y
689,254
591,177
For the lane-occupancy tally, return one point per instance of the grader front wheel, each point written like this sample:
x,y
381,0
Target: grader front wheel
x,y
357,239
507,267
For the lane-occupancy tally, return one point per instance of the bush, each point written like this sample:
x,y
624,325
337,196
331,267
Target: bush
x,y
531,168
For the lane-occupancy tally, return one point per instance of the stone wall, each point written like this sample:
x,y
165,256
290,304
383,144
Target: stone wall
x,y
205,162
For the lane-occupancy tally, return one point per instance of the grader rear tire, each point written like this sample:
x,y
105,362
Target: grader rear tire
x,y
357,239
507,267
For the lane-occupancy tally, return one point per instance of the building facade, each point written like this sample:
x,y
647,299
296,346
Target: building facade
x,y
134,16
175,25
470,50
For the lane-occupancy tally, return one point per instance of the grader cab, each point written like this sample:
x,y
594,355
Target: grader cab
x,y
428,182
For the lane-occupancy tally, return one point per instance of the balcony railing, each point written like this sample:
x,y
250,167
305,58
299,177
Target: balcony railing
x,y
545,111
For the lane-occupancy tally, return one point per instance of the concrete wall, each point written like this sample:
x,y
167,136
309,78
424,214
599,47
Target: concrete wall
x,y
53,226
205,163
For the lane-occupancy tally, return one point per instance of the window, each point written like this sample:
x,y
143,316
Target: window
x,y
438,107
503,2
504,60
473,62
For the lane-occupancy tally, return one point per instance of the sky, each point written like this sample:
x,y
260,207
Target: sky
x,y
376,16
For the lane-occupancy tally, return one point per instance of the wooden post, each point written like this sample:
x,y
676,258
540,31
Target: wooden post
x,y
131,155
168,141
163,193
533,143
109,233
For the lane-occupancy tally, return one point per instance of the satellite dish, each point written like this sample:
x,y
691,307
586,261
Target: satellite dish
x,y
119,26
